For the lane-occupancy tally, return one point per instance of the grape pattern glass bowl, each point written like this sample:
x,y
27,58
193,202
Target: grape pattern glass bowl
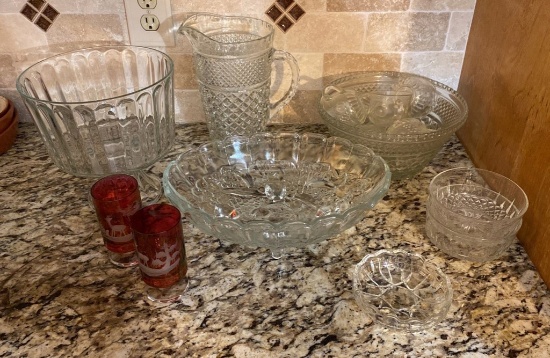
x,y
401,290
405,150
276,190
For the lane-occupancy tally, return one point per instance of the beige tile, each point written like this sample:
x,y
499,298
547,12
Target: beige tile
x,y
8,72
301,109
88,6
321,32
459,28
74,28
188,106
311,70
404,31
338,63
313,5
213,6
11,6
279,38
441,66
18,34
442,5
367,5
255,8
184,72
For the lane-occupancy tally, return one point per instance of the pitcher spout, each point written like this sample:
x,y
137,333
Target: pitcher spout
x,y
219,35
193,28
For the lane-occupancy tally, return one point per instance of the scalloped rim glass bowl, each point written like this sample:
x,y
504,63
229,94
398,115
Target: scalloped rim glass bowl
x,y
276,190
406,154
401,290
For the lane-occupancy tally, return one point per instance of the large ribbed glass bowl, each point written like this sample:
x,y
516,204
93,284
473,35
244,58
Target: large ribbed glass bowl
x,y
276,190
406,153
103,110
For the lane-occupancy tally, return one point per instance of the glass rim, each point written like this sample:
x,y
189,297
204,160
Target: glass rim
x,y
152,207
442,90
127,176
23,92
209,14
520,210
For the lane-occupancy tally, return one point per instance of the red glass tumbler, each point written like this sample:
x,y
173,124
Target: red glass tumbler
x,y
161,251
116,197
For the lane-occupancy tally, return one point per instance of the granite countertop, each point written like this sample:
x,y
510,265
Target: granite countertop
x,y
61,297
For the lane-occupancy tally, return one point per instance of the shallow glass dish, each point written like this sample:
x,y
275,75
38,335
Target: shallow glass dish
x,y
411,143
103,110
401,290
276,190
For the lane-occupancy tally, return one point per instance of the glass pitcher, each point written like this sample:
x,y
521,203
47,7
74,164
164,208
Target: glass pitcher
x,y
233,58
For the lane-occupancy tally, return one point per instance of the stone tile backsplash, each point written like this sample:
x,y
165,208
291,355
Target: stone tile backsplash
x,y
331,37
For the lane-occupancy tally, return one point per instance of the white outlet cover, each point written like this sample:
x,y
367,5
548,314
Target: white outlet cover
x,y
163,37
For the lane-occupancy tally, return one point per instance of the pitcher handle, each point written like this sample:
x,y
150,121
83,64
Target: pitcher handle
x,y
293,64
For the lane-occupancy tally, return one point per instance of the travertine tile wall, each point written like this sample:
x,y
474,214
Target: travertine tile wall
x,y
426,37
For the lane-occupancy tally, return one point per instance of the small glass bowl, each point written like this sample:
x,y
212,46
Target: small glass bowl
x,y
401,290
474,214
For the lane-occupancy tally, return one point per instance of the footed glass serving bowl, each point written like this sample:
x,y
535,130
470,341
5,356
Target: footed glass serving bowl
x,y
104,110
276,190
402,117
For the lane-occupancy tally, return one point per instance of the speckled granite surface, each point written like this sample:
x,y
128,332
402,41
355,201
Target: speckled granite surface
x,y
60,297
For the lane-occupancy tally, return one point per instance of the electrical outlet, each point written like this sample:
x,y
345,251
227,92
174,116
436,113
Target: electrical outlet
x,y
150,22
147,4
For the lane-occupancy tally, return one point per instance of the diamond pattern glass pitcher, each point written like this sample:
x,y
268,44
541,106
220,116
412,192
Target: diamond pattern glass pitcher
x,y
233,58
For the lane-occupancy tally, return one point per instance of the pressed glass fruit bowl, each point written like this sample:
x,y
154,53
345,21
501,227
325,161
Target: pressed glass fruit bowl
x,y
409,144
402,290
276,190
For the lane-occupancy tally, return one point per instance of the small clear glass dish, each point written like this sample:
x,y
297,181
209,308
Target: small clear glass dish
x,y
276,190
474,214
401,290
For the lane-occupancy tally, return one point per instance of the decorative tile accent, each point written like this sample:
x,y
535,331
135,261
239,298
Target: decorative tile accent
x,y
29,12
296,12
285,13
43,23
285,23
50,13
285,3
37,4
274,13
40,12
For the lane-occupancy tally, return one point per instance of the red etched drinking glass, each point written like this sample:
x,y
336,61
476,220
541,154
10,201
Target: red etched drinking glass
x,y
161,251
115,198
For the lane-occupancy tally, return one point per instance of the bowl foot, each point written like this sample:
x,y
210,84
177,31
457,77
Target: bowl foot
x,y
150,187
277,253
